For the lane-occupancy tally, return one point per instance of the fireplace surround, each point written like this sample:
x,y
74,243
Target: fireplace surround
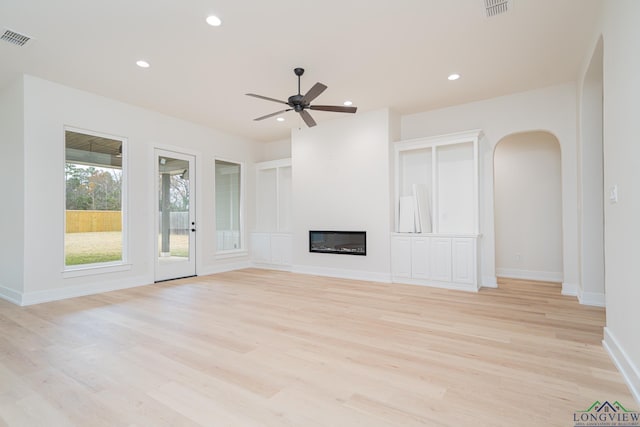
x,y
338,242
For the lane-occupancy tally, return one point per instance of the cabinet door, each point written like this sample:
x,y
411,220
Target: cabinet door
x,y
281,249
261,247
464,260
441,259
401,256
420,251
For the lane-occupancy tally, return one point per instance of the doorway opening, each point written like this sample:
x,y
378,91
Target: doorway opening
x,y
175,219
528,207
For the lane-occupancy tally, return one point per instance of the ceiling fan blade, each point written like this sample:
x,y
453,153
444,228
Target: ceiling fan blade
x,y
307,118
272,114
335,108
313,93
266,98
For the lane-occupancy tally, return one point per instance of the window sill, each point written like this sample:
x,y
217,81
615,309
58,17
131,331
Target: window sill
x,y
232,254
88,270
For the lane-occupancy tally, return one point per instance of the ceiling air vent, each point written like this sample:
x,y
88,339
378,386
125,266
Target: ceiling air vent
x,y
15,38
496,7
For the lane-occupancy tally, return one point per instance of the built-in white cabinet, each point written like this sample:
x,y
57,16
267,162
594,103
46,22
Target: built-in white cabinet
x,y
449,262
271,250
401,259
273,196
441,259
271,240
463,260
436,208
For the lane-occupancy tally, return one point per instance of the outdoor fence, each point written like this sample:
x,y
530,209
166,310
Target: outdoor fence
x,y
96,221
93,221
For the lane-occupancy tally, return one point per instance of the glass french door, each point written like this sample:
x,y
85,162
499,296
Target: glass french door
x,y
175,219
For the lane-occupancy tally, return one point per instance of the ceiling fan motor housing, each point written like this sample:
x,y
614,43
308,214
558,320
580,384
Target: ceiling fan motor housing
x,y
296,102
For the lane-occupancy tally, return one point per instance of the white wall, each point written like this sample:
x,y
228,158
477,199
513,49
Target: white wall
x,y
275,150
528,207
11,174
621,33
590,184
341,182
48,108
550,109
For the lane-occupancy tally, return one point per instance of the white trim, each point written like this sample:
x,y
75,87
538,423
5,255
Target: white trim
x,y
38,297
10,295
233,253
630,372
223,268
91,269
266,266
596,299
469,287
274,164
541,276
569,289
341,273
489,282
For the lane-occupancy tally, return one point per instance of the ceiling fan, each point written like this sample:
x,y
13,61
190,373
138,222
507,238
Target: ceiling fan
x,y
301,103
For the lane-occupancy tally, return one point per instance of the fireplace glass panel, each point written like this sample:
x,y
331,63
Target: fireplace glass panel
x,y
338,242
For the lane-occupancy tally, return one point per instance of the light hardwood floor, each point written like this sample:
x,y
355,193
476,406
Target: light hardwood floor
x,y
267,348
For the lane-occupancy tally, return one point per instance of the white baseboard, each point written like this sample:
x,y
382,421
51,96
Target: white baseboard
x,y
437,284
596,299
542,276
11,295
569,289
342,273
225,267
489,282
625,365
266,266
37,297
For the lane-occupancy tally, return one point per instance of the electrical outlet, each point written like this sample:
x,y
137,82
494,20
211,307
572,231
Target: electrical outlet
x,y
518,256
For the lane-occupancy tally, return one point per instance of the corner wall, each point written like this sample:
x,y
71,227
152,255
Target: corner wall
x,y
621,33
11,175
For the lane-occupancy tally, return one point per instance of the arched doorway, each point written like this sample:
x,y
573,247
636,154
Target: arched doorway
x,y
528,207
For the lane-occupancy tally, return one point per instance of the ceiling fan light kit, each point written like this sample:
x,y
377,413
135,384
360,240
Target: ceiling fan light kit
x,y
301,103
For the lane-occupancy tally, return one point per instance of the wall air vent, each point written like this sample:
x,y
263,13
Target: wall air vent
x,y
15,38
497,7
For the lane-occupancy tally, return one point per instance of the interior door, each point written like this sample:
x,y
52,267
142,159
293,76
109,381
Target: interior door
x,y
175,218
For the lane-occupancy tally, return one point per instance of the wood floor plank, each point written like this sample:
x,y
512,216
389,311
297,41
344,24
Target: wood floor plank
x,y
271,348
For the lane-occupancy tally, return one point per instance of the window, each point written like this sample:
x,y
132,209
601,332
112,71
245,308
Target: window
x,y
229,200
93,200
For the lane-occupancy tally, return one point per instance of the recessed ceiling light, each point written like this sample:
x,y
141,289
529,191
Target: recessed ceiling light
x,y
347,103
214,21
454,76
142,64
280,119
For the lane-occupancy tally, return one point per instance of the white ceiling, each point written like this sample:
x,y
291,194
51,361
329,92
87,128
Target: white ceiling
x,y
377,53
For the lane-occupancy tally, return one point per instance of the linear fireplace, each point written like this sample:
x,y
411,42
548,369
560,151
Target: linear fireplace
x,y
338,242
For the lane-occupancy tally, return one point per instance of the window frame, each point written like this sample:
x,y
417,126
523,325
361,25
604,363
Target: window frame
x,y
98,267
242,250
